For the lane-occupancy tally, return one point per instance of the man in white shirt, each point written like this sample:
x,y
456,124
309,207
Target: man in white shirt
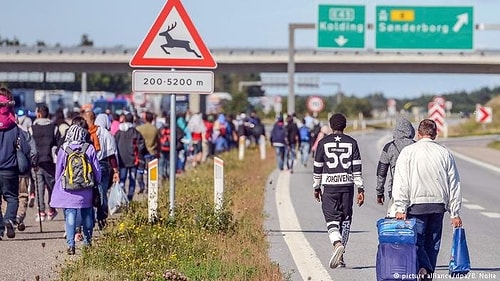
x,y
426,185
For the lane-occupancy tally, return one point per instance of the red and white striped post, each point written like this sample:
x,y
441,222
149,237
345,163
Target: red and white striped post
x,y
437,113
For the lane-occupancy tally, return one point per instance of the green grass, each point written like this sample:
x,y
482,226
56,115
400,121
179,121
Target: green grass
x,y
494,145
198,243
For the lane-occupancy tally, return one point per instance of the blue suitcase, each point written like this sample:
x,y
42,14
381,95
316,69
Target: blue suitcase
x,y
396,262
397,231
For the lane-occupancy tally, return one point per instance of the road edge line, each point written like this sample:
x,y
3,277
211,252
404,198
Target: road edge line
x,y
474,161
308,264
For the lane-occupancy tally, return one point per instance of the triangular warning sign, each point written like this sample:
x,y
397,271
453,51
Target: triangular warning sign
x,y
173,42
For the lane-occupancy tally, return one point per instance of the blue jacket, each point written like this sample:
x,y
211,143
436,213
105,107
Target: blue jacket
x,y
8,141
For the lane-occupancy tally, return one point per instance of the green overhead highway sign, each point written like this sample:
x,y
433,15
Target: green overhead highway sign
x,y
402,27
341,26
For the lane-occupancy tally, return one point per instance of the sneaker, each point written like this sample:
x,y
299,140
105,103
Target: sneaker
x,y
52,214
41,216
20,224
71,250
101,224
338,250
78,237
423,274
341,262
31,200
9,226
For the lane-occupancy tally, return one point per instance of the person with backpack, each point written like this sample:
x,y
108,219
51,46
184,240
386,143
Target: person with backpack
x,y
185,152
131,150
11,140
44,133
291,141
403,135
77,174
166,146
278,142
108,163
207,144
305,143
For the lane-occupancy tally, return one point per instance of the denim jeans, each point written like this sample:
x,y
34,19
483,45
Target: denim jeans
x,y
181,160
305,147
44,179
70,223
9,189
429,229
102,211
164,164
290,156
132,176
280,156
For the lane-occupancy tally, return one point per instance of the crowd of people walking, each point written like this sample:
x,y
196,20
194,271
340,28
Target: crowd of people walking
x,y
75,160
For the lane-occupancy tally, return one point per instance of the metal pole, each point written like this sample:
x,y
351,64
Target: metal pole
x,y
339,91
84,82
173,154
291,61
291,69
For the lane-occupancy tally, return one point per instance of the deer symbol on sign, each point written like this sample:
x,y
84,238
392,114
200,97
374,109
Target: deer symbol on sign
x,y
175,43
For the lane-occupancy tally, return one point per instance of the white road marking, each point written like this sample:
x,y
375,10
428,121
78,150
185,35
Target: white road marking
x,y
308,264
474,161
473,207
465,200
491,215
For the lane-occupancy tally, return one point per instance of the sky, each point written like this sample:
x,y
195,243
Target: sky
x,y
240,24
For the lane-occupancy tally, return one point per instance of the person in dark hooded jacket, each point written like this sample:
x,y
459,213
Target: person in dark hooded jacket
x,y
131,150
403,136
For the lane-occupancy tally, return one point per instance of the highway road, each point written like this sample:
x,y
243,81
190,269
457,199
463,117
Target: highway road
x,y
300,244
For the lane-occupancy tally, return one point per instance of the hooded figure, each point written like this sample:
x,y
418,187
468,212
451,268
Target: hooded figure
x,y
402,136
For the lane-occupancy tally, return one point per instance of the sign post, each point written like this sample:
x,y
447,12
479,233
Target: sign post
x,y
153,190
341,26
437,113
484,114
408,27
315,104
172,42
218,183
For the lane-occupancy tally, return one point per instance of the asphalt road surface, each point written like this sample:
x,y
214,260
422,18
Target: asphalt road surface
x,y
300,244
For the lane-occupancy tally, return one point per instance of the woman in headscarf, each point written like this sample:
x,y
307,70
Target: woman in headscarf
x,y
72,200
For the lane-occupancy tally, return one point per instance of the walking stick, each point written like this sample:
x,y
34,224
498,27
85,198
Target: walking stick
x,y
38,198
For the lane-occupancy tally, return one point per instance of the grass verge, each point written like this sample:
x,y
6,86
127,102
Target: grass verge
x,y
197,244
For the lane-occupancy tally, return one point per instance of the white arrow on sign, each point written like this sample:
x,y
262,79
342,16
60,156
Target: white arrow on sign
x,y
341,40
462,20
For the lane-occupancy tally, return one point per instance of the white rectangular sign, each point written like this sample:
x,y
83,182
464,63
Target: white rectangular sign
x,y
157,81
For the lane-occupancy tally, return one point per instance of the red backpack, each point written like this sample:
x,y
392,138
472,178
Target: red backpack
x,y
165,139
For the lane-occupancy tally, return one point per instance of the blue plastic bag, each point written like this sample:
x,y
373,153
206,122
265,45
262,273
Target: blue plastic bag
x,y
459,260
397,231
117,198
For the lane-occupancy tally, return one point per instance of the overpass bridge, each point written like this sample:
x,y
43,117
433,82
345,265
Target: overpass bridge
x,y
245,60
